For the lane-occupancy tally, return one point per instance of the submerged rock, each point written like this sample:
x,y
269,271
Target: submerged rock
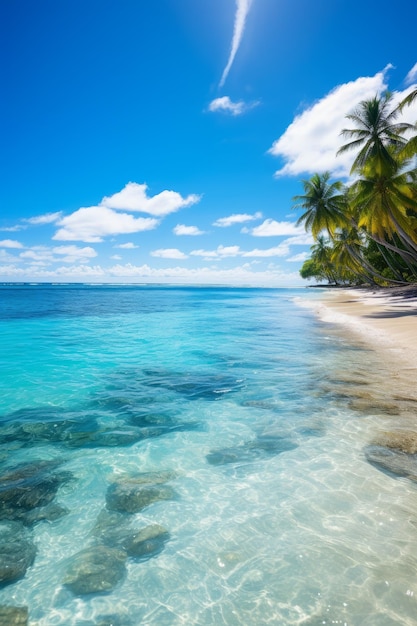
x,y
73,429
48,513
251,451
17,552
131,498
112,620
95,570
403,441
392,461
14,615
29,486
194,386
114,530
145,543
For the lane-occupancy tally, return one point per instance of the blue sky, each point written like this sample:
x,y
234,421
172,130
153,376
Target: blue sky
x,y
163,141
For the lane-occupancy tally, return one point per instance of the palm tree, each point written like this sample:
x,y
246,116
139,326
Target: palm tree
x,y
323,204
410,148
321,253
386,204
349,250
375,133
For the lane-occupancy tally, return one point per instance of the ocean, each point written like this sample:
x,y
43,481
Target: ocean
x,y
196,456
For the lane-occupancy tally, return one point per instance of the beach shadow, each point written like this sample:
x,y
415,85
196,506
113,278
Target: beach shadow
x,y
390,314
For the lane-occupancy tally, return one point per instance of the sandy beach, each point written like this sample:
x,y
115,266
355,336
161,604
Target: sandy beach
x,y
384,318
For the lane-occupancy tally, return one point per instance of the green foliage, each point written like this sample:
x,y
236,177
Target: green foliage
x,y
371,225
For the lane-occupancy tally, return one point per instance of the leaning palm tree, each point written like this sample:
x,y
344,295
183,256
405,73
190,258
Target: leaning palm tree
x,y
349,250
386,205
375,133
323,205
321,253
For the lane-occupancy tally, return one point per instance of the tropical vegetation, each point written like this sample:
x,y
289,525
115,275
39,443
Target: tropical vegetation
x,y
365,232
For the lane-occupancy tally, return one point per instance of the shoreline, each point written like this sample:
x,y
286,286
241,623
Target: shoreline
x,y
384,321
384,318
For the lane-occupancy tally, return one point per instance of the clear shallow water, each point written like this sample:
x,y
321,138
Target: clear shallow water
x,y
244,398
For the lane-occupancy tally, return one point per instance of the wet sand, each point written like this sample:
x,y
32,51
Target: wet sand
x,y
386,319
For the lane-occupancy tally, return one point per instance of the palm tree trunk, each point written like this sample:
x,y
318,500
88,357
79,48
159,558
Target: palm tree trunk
x,y
402,233
386,255
372,271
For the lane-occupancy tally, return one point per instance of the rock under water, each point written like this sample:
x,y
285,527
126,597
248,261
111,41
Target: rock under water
x,y
30,486
131,498
17,551
392,462
261,447
14,615
97,569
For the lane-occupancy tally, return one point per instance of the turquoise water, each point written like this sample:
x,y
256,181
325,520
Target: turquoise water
x,y
219,420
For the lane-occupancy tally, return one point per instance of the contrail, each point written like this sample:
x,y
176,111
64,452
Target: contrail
x,y
242,10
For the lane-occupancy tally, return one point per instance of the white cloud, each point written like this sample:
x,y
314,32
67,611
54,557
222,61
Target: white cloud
x,y
68,254
72,250
74,254
169,253
242,10
297,258
133,197
311,141
116,257
244,274
236,218
412,75
91,224
181,229
127,246
281,250
220,253
6,257
272,228
225,105
13,229
40,254
10,243
305,239
47,218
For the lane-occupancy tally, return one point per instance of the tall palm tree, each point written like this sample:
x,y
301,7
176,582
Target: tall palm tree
x,y
323,204
375,133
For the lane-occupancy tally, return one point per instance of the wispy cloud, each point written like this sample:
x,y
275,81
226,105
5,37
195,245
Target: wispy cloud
x,y
169,253
220,253
182,229
225,105
299,258
272,228
127,246
242,10
412,75
236,218
44,255
47,218
13,229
